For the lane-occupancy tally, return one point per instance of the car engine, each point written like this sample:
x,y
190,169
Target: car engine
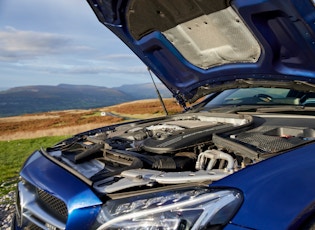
x,y
186,148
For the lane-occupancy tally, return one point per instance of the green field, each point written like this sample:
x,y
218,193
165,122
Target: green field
x,y
14,153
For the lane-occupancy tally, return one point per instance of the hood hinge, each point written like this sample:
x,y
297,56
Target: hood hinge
x,y
181,101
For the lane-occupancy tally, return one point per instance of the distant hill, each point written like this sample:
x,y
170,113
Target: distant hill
x,y
144,91
34,99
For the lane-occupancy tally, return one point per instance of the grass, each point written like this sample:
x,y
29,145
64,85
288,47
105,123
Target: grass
x,y
14,153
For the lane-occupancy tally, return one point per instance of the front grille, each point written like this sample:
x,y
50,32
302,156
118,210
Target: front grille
x,y
39,209
53,204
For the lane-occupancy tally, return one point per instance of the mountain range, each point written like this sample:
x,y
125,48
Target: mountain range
x,y
43,98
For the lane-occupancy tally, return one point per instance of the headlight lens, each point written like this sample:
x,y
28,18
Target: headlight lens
x,y
192,208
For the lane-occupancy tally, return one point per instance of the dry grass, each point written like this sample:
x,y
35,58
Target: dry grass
x,y
64,131
146,107
74,121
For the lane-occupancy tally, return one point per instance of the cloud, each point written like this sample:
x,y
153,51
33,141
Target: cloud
x,y
107,70
121,57
79,66
55,55
16,45
96,69
53,42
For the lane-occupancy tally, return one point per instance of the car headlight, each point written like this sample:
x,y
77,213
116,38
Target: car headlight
x,y
192,208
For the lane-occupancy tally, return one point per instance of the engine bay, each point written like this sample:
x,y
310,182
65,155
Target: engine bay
x,y
185,148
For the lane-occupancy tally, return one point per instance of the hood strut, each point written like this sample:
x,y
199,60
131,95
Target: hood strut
x,y
158,93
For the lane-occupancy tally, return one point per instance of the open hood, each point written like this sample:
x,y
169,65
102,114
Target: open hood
x,y
196,47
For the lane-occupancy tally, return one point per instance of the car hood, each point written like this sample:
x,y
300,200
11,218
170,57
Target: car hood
x,y
204,46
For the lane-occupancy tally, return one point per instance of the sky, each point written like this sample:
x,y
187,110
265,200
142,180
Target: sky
x,y
51,42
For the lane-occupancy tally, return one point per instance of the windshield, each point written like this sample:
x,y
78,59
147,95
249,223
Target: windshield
x,y
261,96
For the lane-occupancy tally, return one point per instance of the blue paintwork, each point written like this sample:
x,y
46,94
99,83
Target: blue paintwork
x,y
284,29
83,205
278,192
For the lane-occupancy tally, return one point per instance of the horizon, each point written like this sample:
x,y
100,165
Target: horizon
x,y
56,85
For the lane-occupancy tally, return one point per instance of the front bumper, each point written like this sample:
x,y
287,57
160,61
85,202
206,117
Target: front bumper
x,y
49,197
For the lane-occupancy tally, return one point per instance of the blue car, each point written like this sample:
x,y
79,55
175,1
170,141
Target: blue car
x,y
241,155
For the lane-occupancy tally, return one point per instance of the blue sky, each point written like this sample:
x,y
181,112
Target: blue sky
x,y
48,42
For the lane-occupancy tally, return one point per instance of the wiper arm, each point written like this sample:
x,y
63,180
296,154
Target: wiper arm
x,y
262,108
295,108
234,108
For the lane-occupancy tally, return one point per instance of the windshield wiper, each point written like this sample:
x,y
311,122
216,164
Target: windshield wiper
x,y
288,108
262,108
233,108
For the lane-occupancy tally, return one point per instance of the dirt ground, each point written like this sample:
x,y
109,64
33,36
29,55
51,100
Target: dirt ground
x,y
74,121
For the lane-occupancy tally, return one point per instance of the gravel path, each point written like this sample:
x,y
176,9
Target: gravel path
x,y
6,210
